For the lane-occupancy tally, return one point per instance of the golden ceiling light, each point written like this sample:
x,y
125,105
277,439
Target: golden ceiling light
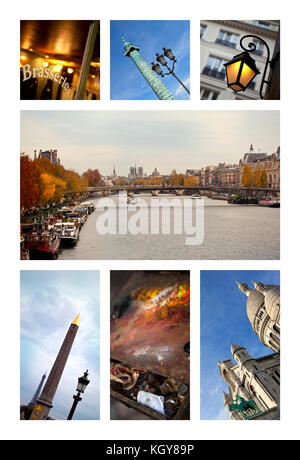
x,y
70,70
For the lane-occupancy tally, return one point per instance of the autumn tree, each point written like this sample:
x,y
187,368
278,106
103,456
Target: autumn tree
x,y
263,179
247,176
93,177
31,185
53,188
120,182
43,182
256,177
190,180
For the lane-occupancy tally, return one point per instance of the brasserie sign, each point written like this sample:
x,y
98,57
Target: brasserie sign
x,y
40,72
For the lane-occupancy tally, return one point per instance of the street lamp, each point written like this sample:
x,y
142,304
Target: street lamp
x,y
161,60
81,386
241,70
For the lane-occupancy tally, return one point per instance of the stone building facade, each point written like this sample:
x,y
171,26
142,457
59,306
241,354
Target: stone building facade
x,y
219,42
254,384
269,162
50,155
231,174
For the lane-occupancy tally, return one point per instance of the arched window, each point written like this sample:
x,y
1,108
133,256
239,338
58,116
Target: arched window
x,y
275,338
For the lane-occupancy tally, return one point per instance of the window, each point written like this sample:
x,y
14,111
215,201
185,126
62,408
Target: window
x,y
259,48
253,83
265,24
214,68
227,39
202,30
209,94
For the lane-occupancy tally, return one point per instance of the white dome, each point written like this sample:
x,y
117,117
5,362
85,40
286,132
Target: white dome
x,y
272,301
254,302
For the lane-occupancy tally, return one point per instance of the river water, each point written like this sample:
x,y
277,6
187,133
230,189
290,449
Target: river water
x,y
230,232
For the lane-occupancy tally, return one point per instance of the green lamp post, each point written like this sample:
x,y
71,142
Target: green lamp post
x,y
151,78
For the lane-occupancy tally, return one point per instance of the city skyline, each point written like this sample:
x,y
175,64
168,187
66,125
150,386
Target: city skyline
x,y
99,140
63,295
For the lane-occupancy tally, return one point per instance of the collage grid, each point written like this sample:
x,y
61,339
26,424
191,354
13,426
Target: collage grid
x,y
136,124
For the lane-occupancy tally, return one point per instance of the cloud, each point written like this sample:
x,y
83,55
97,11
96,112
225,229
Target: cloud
x,y
180,138
180,89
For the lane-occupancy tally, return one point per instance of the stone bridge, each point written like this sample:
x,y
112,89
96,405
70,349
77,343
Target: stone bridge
x,y
205,190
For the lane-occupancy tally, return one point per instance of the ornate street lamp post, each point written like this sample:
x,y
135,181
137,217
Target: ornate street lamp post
x,y
241,70
161,59
81,386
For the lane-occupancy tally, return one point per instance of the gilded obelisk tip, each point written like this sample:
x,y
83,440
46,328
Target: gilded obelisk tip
x,y
76,320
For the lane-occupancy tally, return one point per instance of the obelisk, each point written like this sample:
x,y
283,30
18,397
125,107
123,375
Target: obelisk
x,y
151,78
44,402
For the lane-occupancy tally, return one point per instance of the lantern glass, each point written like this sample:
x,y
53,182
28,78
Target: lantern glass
x,y
82,383
236,88
232,71
241,71
80,387
168,53
247,75
157,68
160,58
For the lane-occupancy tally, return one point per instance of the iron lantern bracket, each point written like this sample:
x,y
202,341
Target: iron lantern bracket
x,y
250,47
171,71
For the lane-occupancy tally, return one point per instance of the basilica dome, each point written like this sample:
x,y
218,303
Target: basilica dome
x,y
272,301
254,302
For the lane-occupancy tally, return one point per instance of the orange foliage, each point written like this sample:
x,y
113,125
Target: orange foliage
x,y
93,177
43,183
31,185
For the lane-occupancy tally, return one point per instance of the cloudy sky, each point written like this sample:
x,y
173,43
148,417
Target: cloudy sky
x,y
50,301
154,139
126,82
224,320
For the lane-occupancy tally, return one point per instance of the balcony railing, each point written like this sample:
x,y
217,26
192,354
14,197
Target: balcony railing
x,y
220,41
214,73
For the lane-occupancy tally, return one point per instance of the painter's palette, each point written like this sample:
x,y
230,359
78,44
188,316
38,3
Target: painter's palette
x,y
150,326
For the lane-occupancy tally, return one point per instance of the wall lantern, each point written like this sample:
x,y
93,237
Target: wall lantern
x,y
241,70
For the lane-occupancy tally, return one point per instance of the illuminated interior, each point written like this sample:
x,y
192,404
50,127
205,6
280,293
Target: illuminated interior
x,y
58,47
232,71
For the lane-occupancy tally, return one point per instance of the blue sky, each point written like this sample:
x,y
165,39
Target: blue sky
x,y
162,139
50,301
126,82
224,320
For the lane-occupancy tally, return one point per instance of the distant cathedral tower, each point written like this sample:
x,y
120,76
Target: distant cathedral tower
x,y
151,78
44,402
254,384
38,391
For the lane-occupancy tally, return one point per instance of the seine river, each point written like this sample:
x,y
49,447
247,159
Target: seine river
x,y
230,232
